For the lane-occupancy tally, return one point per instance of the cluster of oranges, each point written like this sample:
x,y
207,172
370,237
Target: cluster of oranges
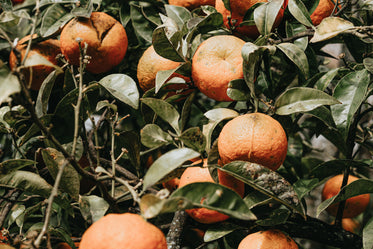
x,y
254,137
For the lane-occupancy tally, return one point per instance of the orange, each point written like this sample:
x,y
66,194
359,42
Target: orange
x,y
150,64
106,38
324,9
216,62
254,137
354,205
270,239
172,184
40,62
350,225
202,174
123,231
191,4
237,13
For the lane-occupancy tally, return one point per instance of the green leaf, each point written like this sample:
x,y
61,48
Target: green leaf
x,y
368,234
217,231
179,14
216,116
164,110
300,12
276,217
144,20
54,18
296,55
265,15
323,114
151,205
368,64
162,76
257,177
27,181
84,9
304,186
355,188
166,163
252,58
45,91
194,139
302,99
164,47
331,27
351,92
326,79
296,28
70,181
153,136
123,88
238,90
334,167
93,207
9,84
216,197
14,164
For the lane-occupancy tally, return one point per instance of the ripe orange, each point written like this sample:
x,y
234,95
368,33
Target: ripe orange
x,y
150,64
191,4
237,13
270,239
123,231
216,62
354,205
106,38
254,137
324,9
40,62
202,174
350,225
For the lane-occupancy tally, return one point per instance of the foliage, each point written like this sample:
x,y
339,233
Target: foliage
x,y
80,147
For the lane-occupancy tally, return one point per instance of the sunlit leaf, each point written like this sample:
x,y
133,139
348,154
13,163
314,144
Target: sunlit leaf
x,y
300,12
330,27
167,163
368,234
9,84
123,88
368,63
325,80
265,15
153,136
164,47
92,207
302,99
177,13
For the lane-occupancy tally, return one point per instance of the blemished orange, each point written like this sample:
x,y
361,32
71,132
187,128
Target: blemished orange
x,y
215,63
237,13
123,231
253,137
191,4
354,205
150,64
270,239
40,62
202,174
324,9
106,39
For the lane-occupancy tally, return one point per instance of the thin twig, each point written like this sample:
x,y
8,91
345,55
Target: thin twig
x,y
176,229
12,196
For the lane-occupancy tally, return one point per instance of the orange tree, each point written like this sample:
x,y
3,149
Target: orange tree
x,y
87,143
